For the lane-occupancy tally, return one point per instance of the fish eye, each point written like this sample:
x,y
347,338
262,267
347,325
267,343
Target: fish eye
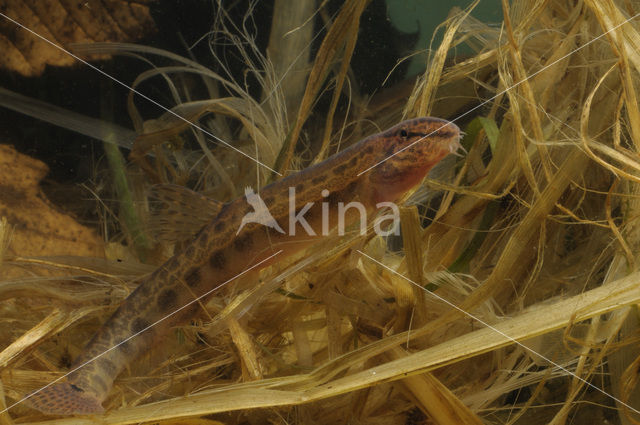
x,y
403,133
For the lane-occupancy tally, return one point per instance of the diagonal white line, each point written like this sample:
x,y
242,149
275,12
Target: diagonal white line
x,y
503,91
139,332
268,258
498,331
136,91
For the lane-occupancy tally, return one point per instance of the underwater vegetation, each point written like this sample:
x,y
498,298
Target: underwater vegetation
x,y
510,296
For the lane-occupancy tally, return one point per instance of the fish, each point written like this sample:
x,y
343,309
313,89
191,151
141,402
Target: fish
x,y
252,231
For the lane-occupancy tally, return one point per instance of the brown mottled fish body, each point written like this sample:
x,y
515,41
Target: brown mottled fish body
x,y
217,254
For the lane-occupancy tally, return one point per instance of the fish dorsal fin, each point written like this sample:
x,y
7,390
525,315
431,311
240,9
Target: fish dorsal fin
x,y
178,213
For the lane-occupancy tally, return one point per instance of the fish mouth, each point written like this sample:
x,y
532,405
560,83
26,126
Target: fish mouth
x,y
455,146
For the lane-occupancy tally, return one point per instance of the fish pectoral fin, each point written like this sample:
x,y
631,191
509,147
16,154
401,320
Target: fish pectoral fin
x,y
177,213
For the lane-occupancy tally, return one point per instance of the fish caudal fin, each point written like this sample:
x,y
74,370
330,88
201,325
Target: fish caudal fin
x,y
65,399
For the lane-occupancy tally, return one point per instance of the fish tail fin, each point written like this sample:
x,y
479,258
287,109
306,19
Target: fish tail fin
x,y
65,399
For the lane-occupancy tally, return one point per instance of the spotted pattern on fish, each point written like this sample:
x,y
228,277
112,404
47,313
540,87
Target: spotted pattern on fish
x,y
217,254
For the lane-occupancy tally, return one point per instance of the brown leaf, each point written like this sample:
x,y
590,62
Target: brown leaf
x,y
38,227
63,22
